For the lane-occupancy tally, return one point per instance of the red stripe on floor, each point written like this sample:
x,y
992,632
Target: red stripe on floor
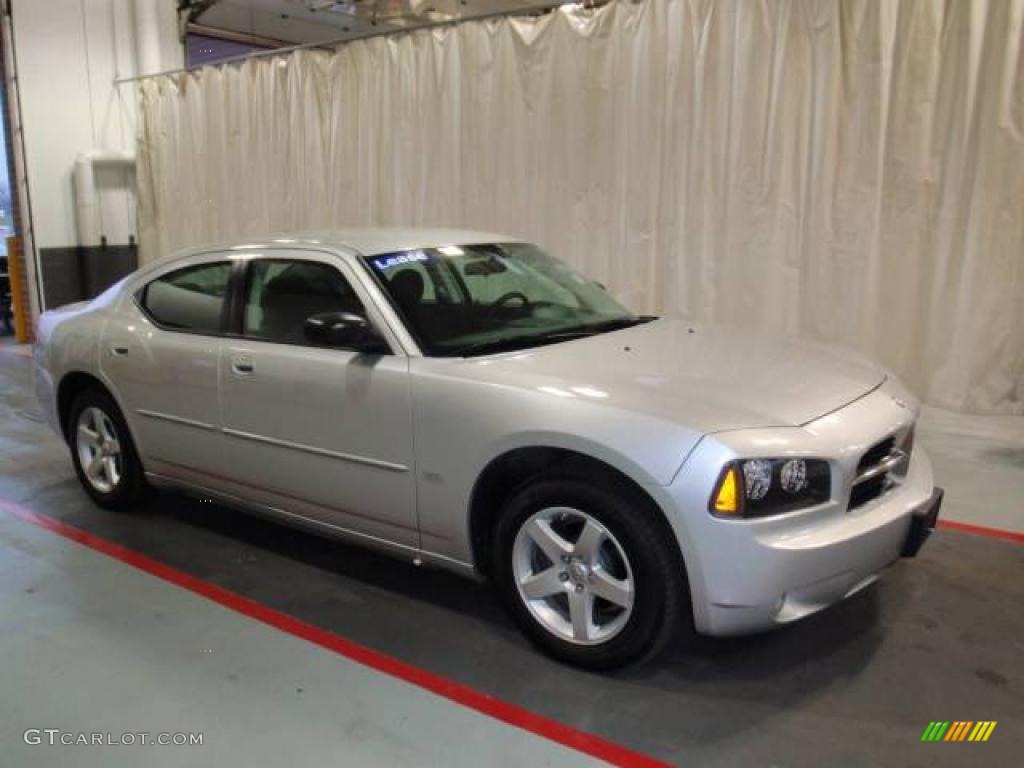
x,y
24,354
983,530
560,733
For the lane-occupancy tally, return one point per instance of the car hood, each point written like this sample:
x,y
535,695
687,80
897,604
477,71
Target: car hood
x,y
708,379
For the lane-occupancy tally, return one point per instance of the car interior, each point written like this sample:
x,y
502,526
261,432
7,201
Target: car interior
x,y
277,308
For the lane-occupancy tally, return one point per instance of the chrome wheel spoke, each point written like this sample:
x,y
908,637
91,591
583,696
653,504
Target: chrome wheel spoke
x,y
110,470
589,542
550,543
581,609
543,584
616,591
95,467
86,435
107,429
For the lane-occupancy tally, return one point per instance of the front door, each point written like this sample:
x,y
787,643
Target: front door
x,y
319,432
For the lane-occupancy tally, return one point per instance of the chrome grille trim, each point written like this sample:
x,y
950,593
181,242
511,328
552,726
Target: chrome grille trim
x,y
888,464
881,468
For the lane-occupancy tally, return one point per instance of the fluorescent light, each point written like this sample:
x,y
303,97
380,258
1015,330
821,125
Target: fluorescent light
x,y
558,392
589,392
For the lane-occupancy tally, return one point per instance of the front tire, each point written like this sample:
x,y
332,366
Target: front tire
x,y
589,572
103,451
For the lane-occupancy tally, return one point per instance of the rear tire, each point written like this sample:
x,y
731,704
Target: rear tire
x,y
589,572
103,451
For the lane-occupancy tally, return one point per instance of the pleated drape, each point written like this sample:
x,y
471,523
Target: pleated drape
x,y
847,171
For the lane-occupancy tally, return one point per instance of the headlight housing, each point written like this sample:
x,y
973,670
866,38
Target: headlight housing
x,y
760,487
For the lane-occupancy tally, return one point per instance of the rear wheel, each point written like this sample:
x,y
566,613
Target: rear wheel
x,y
103,452
591,575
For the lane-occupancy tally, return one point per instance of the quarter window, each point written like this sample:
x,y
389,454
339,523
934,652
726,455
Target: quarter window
x,y
190,299
282,294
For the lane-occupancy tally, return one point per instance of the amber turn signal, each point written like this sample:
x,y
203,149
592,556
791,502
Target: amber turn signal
x,y
727,499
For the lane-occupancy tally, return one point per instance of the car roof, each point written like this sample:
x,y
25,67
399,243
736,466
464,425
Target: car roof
x,y
368,241
375,240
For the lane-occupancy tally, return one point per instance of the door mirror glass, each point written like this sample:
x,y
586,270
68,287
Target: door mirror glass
x,y
346,330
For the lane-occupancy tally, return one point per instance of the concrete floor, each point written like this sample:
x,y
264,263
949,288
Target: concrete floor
x,y
90,644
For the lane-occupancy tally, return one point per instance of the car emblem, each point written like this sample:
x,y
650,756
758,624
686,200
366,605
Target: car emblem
x,y
900,403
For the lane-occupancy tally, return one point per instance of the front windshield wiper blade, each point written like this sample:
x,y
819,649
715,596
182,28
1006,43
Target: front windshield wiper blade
x,y
593,330
492,345
550,337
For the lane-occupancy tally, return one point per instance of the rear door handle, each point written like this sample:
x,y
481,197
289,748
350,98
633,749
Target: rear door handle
x,y
119,349
242,365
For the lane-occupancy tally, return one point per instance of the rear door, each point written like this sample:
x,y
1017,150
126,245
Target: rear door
x,y
161,350
322,432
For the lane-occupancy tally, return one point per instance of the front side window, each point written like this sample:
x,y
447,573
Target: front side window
x,y
282,294
472,299
190,299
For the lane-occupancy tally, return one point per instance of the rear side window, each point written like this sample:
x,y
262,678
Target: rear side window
x,y
190,299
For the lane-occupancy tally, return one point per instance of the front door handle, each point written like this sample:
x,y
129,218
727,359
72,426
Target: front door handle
x,y
119,349
242,365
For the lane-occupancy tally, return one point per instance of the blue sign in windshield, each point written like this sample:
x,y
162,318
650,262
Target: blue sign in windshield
x,y
391,260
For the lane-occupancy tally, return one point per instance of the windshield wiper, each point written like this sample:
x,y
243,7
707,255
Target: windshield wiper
x,y
550,337
593,330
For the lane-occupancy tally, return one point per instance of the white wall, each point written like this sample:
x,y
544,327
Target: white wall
x,y
68,54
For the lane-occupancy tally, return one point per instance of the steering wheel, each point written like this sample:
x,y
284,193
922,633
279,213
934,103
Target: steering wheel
x,y
506,298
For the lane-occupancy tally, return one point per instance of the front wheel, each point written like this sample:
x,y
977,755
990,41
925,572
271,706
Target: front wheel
x,y
103,452
590,573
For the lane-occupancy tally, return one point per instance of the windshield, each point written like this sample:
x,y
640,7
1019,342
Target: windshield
x,y
473,299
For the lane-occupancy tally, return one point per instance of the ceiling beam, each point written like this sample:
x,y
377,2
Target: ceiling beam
x,y
378,31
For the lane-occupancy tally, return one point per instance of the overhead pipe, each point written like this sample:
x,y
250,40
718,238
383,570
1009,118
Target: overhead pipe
x,y
147,37
87,207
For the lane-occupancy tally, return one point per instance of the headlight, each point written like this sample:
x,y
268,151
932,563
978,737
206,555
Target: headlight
x,y
761,487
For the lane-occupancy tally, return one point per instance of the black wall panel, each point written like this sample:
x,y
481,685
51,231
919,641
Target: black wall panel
x,y
77,272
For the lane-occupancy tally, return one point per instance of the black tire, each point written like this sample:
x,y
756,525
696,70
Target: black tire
x,y
131,487
661,597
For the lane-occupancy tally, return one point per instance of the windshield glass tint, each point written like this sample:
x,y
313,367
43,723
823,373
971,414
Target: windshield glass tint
x,y
472,299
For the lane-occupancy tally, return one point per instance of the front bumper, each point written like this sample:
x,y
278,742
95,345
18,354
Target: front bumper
x,y
751,575
922,523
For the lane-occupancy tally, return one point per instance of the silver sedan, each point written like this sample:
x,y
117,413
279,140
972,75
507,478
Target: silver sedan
x,y
468,402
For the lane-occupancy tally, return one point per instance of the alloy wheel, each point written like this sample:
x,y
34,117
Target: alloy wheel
x,y
573,575
99,450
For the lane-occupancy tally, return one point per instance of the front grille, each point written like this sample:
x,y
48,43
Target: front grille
x,y
876,454
878,467
864,492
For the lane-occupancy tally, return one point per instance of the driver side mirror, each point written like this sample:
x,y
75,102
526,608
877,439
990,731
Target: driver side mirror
x,y
344,330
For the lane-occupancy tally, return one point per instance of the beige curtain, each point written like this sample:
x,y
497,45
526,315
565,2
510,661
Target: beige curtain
x,y
847,171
